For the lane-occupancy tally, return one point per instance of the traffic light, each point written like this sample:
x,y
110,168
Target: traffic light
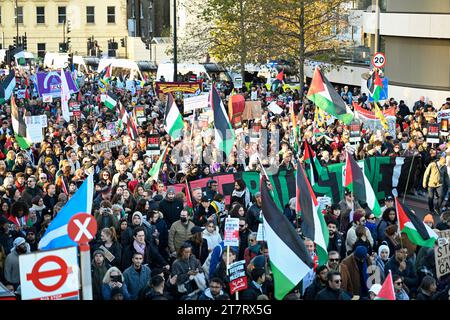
x,y
68,26
15,41
62,47
68,42
70,60
147,45
24,41
122,42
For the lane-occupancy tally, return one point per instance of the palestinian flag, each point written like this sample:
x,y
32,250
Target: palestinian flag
x,y
111,100
387,289
173,121
377,87
326,98
418,232
224,136
289,259
19,126
315,168
357,182
313,222
156,168
60,183
277,82
126,121
188,196
7,87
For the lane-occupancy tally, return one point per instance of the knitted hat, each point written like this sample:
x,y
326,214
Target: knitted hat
x,y
170,190
360,252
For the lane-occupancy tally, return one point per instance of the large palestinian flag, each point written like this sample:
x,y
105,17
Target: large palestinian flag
x,y
173,122
418,232
326,98
223,131
313,222
125,120
289,259
356,181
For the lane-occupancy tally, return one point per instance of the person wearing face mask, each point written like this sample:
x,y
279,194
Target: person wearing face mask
x,y
170,207
180,232
12,270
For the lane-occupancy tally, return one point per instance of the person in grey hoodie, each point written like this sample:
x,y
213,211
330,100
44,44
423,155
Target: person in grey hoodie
x,y
12,271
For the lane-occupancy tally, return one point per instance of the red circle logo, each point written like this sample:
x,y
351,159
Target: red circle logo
x,y
82,228
36,275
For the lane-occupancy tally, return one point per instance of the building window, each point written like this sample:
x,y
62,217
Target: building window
x,y
111,14
19,15
40,15
90,14
41,50
61,14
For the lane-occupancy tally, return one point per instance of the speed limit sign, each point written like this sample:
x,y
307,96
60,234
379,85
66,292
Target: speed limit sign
x,y
379,60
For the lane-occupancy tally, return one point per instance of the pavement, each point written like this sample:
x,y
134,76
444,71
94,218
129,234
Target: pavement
x,y
420,206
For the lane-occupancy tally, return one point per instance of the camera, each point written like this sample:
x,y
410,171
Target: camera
x,y
116,278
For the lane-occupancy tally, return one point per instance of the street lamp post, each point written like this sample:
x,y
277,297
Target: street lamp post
x,y
17,23
175,71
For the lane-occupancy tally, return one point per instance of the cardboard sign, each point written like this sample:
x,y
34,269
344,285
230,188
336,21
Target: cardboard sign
x,y
273,106
107,145
252,110
238,82
153,145
355,131
433,133
231,233
203,120
442,253
47,98
238,279
139,111
443,114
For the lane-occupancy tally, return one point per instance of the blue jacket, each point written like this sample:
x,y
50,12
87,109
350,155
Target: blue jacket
x,y
106,292
135,281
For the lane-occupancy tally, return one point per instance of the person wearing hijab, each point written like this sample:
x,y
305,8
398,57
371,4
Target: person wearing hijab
x,y
382,258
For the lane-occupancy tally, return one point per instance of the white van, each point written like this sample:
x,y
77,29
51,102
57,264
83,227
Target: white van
x,y
121,66
56,61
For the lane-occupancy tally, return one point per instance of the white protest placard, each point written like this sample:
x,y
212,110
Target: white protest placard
x,y
260,236
237,82
196,102
231,233
323,202
47,98
275,108
442,253
34,133
49,275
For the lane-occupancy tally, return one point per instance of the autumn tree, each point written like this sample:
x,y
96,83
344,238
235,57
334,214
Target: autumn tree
x,y
301,28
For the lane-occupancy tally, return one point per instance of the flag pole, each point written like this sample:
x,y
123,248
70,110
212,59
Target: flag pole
x,y
398,222
407,180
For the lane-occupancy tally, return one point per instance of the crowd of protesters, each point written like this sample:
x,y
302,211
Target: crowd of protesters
x,y
151,245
